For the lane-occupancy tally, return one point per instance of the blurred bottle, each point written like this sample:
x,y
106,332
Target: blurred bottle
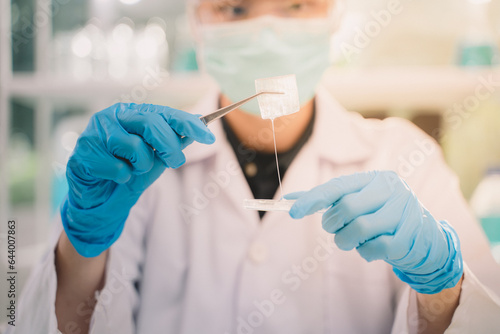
x,y
485,203
478,46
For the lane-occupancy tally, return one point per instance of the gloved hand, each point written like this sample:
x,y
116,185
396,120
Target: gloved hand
x,y
379,215
114,162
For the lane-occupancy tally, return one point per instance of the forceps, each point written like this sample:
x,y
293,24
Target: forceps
x,y
207,119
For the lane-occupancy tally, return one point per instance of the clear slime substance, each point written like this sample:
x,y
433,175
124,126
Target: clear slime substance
x,y
271,107
276,155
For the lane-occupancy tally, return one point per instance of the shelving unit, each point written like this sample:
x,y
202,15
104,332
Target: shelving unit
x,y
419,88
380,89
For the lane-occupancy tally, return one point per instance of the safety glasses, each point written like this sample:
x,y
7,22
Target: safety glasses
x,y
208,12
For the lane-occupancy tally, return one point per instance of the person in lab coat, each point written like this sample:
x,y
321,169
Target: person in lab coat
x,y
157,241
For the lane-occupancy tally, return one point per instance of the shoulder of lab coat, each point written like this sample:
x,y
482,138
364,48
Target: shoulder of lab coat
x,y
116,302
419,161
36,312
478,310
421,164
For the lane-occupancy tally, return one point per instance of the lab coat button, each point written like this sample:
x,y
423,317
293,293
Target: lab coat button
x,y
257,253
251,169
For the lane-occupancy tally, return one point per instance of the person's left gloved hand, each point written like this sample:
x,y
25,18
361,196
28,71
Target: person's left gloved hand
x,y
379,215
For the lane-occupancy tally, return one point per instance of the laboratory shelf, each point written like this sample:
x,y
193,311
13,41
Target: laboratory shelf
x,y
435,89
420,88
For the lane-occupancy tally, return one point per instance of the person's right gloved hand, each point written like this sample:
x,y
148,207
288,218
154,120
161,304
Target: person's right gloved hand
x,y
114,162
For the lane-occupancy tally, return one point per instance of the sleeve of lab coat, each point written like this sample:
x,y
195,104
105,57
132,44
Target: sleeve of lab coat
x,y
116,302
437,187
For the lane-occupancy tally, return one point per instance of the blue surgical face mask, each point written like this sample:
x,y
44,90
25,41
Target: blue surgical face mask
x,y
236,54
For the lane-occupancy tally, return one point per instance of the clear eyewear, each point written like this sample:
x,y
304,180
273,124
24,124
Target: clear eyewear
x,y
222,11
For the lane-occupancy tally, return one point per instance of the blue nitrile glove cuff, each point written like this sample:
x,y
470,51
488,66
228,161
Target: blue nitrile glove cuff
x,y
444,278
94,241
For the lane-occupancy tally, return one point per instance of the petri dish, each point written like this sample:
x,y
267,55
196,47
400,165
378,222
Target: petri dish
x,y
268,204
272,205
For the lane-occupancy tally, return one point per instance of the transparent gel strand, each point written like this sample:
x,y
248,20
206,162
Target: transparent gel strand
x,y
276,155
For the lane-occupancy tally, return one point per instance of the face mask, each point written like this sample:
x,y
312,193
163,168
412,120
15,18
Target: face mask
x,y
236,54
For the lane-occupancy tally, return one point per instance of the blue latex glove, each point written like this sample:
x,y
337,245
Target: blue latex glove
x,y
379,215
114,162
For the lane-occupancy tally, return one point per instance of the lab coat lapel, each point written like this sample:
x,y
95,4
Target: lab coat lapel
x,y
337,135
237,189
301,175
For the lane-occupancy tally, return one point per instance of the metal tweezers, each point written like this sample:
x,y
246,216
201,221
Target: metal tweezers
x,y
207,119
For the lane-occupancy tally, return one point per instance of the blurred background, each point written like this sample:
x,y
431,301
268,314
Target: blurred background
x,y
435,63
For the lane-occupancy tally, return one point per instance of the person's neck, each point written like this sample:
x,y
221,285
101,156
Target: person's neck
x,y
256,133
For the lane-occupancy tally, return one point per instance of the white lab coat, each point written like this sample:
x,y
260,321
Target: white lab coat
x,y
191,259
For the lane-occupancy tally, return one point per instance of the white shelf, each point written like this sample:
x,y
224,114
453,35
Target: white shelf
x,y
426,88
423,88
178,90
